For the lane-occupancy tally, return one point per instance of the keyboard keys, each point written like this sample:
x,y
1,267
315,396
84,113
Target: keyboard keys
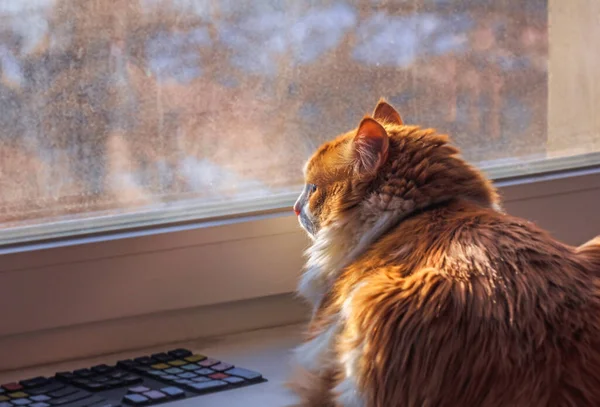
x,y
218,376
139,389
244,373
63,392
88,387
194,358
132,379
101,369
135,399
208,362
160,366
187,375
52,386
41,397
126,364
144,360
208,386
155,395
173,391
83,373
21,402
221,367
36,381
79,395
184,382
180,353
17,395
234,380
12,386
162,357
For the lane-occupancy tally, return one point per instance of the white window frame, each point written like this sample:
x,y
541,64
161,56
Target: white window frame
x,y
206,278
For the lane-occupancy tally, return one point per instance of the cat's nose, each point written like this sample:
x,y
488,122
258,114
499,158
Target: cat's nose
x,y
297,208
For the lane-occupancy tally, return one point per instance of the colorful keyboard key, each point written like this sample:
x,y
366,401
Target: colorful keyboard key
x,y
194,358
41,397
178,362
12,386
221,367
173,391
4,398
21,402
39,404
234,380
208,362
155,395
208,386
244,373
18,395
160,366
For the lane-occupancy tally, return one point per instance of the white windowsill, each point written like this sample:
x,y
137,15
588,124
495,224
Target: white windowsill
x,y
266,351
144,288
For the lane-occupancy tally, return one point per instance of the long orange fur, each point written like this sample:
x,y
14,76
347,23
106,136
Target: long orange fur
x,y
426,294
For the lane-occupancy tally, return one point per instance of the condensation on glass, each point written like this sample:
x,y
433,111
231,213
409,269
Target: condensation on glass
x,y
120,106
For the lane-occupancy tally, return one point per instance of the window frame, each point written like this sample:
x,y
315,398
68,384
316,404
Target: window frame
x,y
244,260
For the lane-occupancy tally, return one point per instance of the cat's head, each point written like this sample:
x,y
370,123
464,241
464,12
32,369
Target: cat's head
x,y
384,166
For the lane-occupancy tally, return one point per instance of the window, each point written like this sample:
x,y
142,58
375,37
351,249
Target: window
x,y
121,113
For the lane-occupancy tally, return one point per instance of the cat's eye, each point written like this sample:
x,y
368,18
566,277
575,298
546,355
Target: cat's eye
x,y
312,188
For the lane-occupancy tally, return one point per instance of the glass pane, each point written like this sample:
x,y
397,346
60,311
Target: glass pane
x,y
128,112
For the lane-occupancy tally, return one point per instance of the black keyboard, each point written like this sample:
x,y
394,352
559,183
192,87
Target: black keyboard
x,y
145,380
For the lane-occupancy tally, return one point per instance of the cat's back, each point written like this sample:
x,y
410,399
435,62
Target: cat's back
x,y
485,283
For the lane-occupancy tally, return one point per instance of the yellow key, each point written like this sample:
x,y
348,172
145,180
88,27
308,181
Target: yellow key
x,y
195,358
160,366
18,395
3,398
178,363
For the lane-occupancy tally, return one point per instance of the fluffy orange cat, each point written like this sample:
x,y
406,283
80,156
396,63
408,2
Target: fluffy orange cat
x,y
426,294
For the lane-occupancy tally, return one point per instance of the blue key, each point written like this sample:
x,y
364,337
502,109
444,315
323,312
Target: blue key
x,y
5,404
40,404
190,367
206,386
174,370
156,372
21,402
205,371
201,379
187,375
245,373
41,397
173,391
234,380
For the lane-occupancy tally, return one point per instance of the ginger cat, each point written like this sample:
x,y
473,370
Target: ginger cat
x,y
425,293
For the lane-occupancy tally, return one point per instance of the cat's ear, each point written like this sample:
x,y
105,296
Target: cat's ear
x,y
370,147
386,113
